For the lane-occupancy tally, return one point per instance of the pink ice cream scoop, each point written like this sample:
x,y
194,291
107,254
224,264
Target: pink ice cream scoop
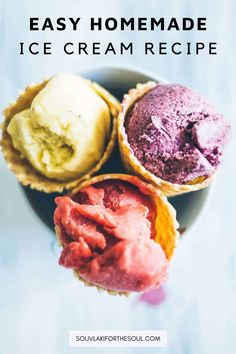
x,y
175,134
107,232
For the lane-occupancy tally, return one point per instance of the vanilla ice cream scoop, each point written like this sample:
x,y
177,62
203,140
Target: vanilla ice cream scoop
x,y
64,131
59,132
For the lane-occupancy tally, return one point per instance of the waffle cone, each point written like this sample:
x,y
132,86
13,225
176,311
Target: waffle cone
x,y
132,164
166,224
25,173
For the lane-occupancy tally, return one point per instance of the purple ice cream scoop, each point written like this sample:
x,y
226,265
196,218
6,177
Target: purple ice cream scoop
x,y
175,134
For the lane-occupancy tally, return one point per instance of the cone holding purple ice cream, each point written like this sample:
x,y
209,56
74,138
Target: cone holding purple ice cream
x,y
170,136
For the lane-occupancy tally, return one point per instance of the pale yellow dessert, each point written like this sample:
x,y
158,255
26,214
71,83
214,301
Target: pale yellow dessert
x,y
63,133
59,132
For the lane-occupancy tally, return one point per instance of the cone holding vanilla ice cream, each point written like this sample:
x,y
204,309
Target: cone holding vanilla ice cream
x,y
170,136
59,132
118,233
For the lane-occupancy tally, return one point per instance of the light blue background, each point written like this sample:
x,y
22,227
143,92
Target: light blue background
x,y
40,301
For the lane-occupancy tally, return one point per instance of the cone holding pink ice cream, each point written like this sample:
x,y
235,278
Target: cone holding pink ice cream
x,y
117,232
170,136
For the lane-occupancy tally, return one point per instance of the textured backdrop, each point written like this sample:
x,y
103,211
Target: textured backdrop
x,y
39,301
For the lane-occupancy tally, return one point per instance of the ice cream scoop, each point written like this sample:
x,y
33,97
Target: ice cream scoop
x,y
117,233
170,135
59,132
